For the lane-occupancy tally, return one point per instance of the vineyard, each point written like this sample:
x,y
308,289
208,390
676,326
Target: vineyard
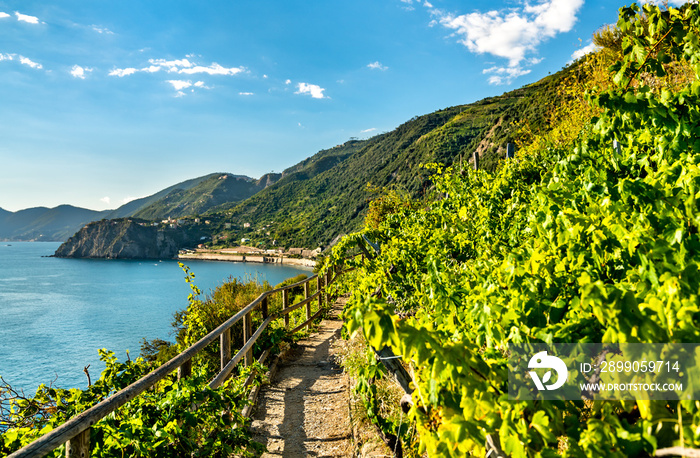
x,y
589,235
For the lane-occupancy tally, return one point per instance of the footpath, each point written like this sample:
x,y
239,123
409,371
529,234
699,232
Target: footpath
x,y
305,409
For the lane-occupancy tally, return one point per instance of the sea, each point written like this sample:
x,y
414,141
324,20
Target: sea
x,y
56,313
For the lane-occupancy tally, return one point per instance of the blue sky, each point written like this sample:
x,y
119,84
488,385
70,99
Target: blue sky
x,y
106,101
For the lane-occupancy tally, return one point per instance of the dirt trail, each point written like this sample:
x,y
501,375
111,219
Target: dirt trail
x,y
304,411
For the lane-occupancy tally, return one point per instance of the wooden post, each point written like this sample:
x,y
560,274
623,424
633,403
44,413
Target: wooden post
x,y
263,308
476,160
616,146
185,370
79,446
510,151
319,285
307,293
225,350
329,277
247,332
285,302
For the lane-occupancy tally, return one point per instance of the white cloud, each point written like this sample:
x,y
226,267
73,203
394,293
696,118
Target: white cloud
x,y
312,89
515,33
79,72
179,85
213,69
511,33
26,61
122,72
180,66
171,65
3,15
377,66
150,69
246,93
372,129
427,4
288,82
579,53
26,18
504,75
22,60
102,30
105,199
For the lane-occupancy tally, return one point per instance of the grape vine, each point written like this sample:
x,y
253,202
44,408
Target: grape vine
x,y
579,242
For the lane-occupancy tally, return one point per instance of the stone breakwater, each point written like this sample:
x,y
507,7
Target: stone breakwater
x,y
241,257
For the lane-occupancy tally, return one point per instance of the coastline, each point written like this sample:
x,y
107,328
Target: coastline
x,y
226,257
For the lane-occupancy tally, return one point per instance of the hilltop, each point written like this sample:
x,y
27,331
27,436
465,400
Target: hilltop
x,y
45,224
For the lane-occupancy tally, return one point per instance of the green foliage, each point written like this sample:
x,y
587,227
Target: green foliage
x,y
390,201
573,242
297,290
203,315
161,422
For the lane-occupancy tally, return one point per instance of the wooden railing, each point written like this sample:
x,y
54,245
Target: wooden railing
x,y
75,433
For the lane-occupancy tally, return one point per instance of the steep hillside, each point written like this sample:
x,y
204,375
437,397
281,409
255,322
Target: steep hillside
x,y
45,224
327,194
208,192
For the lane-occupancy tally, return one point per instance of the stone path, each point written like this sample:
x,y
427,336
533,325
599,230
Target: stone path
x,y
304,411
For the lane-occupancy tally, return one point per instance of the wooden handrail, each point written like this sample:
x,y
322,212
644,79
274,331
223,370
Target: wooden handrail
x,y
83,421
226,371
293,285
305,323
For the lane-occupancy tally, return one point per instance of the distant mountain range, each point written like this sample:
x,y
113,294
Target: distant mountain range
x,y
190,197
46,224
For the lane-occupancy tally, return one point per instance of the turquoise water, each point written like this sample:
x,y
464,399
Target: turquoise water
x,y
55,313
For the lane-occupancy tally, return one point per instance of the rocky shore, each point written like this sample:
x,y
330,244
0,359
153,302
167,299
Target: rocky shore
x,y
127,239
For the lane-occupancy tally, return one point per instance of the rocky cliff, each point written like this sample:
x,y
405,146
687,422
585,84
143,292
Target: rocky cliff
x,y
128,239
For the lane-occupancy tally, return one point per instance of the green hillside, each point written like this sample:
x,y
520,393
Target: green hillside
x,y
327,195
210,191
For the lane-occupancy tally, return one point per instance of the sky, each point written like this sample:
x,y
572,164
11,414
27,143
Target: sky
x,y
105,101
